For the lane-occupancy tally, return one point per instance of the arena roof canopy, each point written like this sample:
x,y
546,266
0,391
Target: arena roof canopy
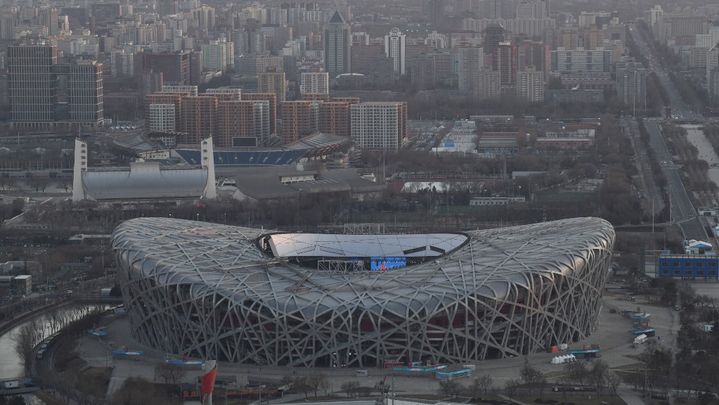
x,y
240,294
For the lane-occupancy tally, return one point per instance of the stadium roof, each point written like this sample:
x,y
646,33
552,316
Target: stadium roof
x,y
144,180
226,260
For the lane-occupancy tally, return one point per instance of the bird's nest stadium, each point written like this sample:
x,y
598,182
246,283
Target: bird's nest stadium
x,y
300,299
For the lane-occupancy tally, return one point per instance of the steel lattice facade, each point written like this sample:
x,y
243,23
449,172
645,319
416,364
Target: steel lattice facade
x,y
208,291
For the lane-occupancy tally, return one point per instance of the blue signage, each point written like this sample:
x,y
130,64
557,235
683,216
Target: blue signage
x,y
387,263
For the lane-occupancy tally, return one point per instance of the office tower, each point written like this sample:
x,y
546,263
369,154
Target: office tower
x,y
432,69
32,83
632,85
243,122
175,66
272,82
157,124
504,62
530,85
49,17
43,92
198,118
469,61
334,118
299,119
394,48
85,92
314,83
487,84
379,125
337,46
493,36
161,118
271,98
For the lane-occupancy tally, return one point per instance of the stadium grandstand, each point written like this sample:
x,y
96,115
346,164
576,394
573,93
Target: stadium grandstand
x,y
244,295
312,146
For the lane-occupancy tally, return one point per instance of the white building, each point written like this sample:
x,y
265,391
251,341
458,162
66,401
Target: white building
x,y
581,60
315,83
394,47
226,93
162,118
378,125
530,85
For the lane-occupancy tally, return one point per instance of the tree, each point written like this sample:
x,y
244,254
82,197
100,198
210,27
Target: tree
x,y
169,374
613,381
576,371
511,386
599,374
532,376
481,385
450,388
350,388
316,382
25,343
136,390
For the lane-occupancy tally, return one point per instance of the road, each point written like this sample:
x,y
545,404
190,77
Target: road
x,y
680,110
652,199
682,211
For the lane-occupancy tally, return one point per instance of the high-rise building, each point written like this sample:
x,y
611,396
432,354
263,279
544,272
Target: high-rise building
x,y
534,9
160,123
161,118
273,82
32,83
530,85
533,54
218,55
504,62
182,89
271,98
175,66
225,93
581,60
198,118
469,61
334,118
43,92
338,46
314,83
243,122
299,119
379,125
487,84
85,92
632,84
394,48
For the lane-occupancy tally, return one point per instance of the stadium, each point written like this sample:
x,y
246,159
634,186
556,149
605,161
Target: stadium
x,y
300,299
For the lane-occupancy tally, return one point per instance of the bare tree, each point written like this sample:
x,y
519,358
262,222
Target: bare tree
x,y
450,388
511,386
316,382
350,388
481,385
169,374
25,343
576,371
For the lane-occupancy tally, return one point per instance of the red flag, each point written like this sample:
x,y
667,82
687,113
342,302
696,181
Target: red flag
x,y
208,380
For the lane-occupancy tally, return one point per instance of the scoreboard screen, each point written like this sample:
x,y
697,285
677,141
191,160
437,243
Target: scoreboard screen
x,y
387,263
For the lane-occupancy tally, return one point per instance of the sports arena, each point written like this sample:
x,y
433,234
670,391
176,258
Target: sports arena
x,y
301,299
